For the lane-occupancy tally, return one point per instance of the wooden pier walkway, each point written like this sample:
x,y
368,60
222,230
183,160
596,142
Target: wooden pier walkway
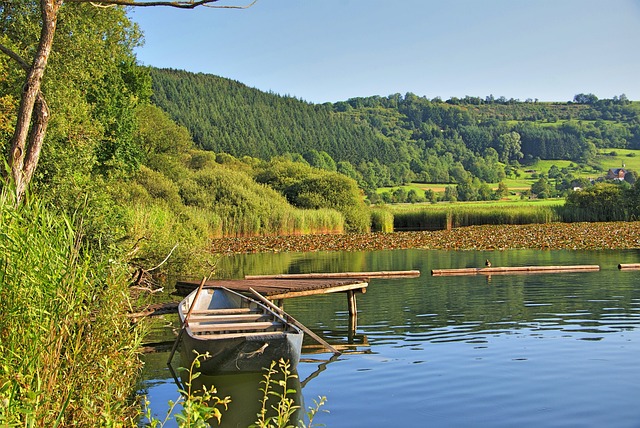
x,y
280,288
285,286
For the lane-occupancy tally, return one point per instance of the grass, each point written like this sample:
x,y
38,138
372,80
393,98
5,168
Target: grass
x,y
68,355
630,159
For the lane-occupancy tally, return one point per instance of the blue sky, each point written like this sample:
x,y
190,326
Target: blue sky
x,y
332,50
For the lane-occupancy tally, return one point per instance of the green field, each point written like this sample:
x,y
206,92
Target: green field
x,y
629,159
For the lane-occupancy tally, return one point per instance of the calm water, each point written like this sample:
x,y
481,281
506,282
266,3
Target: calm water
x,y
536,350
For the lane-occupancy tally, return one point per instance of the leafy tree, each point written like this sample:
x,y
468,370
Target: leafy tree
x,y
541,188
450,194
509,147
308,187
346,168
430,195
631,177
467,190
413,197
502,190
400,195
32,116
602,202
554,172
585,99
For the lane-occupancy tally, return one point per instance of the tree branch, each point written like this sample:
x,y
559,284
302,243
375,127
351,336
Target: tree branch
x,y
15,57
181,4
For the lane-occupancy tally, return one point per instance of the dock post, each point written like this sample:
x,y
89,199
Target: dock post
x,y
353,308
353,314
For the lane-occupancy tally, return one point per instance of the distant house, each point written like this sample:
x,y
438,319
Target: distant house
x,y
616,174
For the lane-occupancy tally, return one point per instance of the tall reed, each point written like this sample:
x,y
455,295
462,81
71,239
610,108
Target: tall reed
x,y
67,351
381,220
460,216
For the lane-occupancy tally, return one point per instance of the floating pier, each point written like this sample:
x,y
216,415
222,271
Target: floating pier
x,y
337,275
514,270
629,266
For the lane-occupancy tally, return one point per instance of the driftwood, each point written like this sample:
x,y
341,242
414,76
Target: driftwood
x,y
153,310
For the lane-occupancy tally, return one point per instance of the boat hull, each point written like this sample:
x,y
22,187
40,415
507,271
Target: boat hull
x,y
243,354
238,333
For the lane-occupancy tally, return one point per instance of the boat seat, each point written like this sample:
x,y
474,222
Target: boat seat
x,y
270,334
228,311
227,318
241,326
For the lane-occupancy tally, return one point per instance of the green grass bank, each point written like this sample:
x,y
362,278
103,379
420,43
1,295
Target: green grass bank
x,y
68,354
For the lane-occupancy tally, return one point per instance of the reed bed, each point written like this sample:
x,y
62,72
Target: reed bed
x,y
459,216
596,213
381,220
67,351
281,221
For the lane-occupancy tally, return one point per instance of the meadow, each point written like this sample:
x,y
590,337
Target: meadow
x,y
529,174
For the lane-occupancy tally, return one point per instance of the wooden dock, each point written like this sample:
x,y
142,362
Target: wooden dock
x,y
278,289
286,286
514,270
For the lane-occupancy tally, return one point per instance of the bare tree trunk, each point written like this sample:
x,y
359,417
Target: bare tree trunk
x,y
29,129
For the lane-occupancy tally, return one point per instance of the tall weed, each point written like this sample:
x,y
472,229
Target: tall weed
x,y
67,351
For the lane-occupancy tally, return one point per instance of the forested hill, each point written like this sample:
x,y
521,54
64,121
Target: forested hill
x,y
226,116
397,138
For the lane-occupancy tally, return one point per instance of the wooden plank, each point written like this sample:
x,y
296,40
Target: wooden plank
x,y
229,311
351,301
362,286
246,334
272,286
228,318
240,326
514,269
337,275
629,266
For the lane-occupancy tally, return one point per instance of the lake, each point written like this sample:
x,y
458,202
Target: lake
x,y
526,350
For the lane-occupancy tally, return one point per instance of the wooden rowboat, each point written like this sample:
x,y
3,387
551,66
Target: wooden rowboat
x,y
240,333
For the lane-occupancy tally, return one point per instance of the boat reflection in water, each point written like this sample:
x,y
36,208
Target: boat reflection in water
x,y
246,391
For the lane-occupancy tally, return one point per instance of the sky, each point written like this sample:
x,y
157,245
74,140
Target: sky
x,y
333,50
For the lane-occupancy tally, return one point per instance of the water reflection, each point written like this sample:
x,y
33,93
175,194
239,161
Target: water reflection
x,y
246,393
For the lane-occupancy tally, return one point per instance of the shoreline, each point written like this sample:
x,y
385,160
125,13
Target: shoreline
x,y
548,236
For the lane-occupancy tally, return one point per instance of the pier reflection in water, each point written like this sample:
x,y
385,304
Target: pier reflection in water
x,y
509,350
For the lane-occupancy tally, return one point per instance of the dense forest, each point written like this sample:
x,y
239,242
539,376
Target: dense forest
x,y
382,141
